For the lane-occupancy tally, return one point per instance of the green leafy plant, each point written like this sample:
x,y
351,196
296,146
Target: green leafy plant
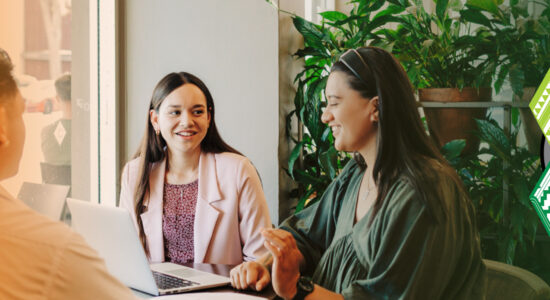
x,y
439,49
314,162
500,167
519,40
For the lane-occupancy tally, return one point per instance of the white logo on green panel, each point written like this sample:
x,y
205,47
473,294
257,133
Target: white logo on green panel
x,y
540,198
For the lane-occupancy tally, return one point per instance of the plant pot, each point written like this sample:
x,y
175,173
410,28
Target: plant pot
x,y
447,124
531,128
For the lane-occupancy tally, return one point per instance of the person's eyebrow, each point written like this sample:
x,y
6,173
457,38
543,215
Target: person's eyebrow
x,y
193,107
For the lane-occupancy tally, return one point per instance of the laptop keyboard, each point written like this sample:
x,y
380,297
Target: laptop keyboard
x,y
166,282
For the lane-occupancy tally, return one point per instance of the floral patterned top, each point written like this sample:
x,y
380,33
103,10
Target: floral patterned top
x,y
178,220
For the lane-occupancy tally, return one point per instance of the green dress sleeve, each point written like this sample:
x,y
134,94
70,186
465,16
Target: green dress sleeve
x,y
314,227
409,255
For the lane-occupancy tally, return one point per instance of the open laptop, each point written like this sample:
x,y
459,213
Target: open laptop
x,y
47,199
111,232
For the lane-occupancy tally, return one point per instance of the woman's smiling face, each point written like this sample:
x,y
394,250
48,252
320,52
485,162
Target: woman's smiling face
x,y
350,116
183,119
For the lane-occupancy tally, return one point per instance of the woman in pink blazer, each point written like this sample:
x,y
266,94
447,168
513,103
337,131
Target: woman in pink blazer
x,y
192,197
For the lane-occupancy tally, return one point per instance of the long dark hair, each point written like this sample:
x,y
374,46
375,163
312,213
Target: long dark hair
x,y
404,150
152,145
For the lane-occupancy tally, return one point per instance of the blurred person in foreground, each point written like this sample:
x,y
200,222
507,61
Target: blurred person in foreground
x,y
40,258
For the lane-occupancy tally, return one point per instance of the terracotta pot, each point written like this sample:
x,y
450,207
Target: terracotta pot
x,y
530,126
447,124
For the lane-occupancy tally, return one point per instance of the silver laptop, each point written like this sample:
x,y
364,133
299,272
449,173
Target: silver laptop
x,y
47,199
111,232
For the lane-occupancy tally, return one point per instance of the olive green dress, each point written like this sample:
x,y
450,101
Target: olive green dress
x,y
403,254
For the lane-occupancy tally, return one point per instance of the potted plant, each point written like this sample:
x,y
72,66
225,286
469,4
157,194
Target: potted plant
x,y
507,230
522,40
314,162
447,62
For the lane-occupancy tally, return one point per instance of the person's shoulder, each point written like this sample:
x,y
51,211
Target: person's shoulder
x,y
133,163
402,189
83,272
229,159
434,175
132,166
439,182
30,228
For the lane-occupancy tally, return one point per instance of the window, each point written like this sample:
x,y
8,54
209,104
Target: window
x,y
54,47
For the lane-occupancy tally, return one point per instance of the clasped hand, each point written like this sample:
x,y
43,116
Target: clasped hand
x,y
285,269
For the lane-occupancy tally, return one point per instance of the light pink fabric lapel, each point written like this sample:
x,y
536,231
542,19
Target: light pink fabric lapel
x,y
206,215
152,218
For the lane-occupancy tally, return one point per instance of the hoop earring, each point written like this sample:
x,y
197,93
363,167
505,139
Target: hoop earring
x,y
157,132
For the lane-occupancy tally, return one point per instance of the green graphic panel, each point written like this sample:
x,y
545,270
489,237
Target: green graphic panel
x,y
540,198
540,106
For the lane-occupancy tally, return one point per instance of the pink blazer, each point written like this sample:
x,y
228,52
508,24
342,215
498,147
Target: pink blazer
x,y
231,209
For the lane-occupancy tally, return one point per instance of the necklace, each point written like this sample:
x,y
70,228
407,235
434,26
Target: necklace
x,y
368,188
362,206
184,187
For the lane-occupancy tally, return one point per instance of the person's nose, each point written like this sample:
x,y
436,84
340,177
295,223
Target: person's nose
x,y
326,116
186,120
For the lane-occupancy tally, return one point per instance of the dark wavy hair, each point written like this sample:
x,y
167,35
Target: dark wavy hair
x,y
404,150
8,86
152,146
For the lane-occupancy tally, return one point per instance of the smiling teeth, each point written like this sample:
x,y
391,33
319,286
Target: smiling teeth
x,y
186,134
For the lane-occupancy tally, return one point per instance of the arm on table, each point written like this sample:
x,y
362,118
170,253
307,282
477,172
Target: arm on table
x,y
283,257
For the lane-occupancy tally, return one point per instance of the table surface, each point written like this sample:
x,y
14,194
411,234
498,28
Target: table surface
x,y
223,270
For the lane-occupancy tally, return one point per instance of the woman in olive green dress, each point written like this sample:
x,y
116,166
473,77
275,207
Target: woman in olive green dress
x,y
395,224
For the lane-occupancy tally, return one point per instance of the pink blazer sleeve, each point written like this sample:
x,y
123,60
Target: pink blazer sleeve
x,y
127,187
253,211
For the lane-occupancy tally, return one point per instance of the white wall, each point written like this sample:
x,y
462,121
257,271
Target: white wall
x,y
233,47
